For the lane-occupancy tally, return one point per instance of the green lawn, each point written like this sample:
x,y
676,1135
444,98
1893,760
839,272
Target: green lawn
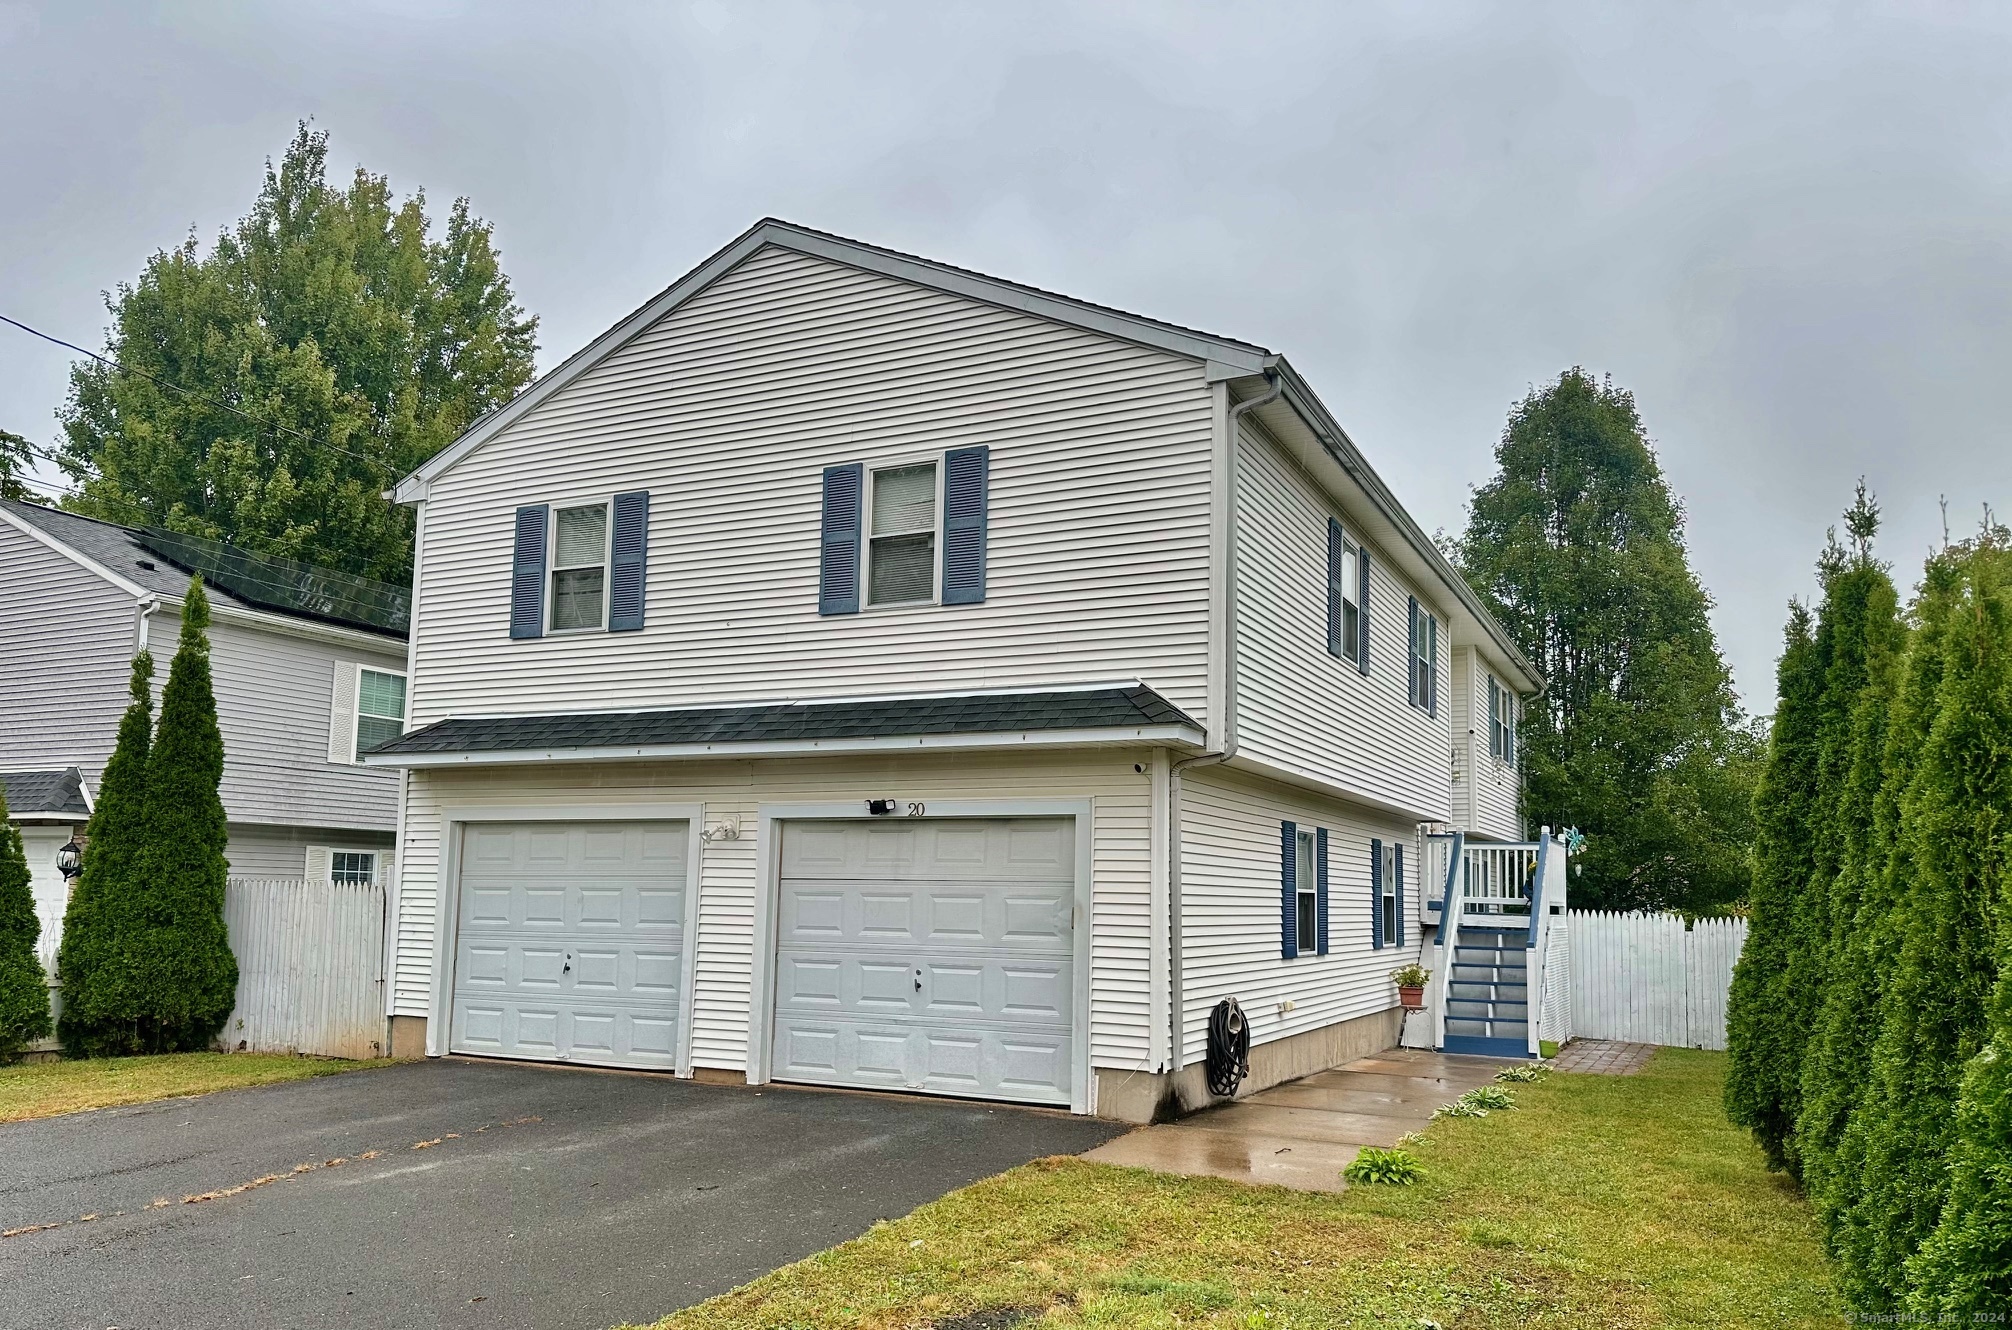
x,y
43,1089
1600,1202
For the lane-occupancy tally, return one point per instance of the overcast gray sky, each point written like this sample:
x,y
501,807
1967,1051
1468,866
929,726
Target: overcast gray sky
x,y
1784,228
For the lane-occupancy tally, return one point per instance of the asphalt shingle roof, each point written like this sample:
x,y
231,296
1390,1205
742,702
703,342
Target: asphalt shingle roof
x,y
54,793
1078,709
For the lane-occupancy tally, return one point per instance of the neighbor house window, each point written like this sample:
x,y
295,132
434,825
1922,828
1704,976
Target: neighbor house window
x,y
1386,905
901,540
380,708
579,567
1306,885
353,866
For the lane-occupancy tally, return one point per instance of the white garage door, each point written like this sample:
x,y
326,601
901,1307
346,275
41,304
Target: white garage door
x,y
570,944
929,955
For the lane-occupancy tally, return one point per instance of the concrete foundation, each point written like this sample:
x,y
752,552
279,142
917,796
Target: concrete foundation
x,y
1141,1096
408,1036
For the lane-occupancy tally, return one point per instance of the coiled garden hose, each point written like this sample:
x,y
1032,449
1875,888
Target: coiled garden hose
x,y
1229,1056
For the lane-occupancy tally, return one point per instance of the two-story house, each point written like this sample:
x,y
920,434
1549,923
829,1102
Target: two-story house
x,y
308,667
854,670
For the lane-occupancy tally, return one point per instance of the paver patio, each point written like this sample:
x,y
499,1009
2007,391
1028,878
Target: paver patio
x,y
1603,1057
1303,1133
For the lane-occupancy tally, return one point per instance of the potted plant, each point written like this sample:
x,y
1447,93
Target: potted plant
x,y
1410,981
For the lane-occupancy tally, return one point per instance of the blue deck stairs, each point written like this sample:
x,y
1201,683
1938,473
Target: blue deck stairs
x,y
1488,991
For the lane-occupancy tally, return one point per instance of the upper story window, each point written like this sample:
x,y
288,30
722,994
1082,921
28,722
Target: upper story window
x,y
911,532
579,566
901,547
1501,722
1347,597
380,708
1424,659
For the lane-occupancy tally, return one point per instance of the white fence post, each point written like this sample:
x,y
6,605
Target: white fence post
x,y
1645,978
310,967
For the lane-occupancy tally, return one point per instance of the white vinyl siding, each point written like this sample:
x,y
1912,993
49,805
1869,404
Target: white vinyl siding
x,y
1299,707
276,705
732,793
291,852
1494,785
1230,929
66,637
729,409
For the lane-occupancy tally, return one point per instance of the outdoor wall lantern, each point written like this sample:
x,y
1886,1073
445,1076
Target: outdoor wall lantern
x,y
70,859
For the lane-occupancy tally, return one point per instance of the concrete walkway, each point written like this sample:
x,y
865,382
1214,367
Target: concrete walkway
x,y
1303,1133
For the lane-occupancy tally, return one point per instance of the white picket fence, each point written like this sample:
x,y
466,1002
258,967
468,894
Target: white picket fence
x,y
1646,978
310,967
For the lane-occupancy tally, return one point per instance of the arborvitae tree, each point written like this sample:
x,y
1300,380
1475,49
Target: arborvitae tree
x,y
1965,1267
24,990
183,961
1577,544
1933,1010
1760,1093
1892,724
97,1014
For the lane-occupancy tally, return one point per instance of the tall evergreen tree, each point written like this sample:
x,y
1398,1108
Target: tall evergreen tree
x,y
184,965
1758,1093
1964,1271
1577,545
1959,838
98,1002
359,342
24,989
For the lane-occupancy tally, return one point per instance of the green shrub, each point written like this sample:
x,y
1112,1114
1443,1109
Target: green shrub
x,y
1389,1168
1477,1103
1529,1071
99,1006
24,991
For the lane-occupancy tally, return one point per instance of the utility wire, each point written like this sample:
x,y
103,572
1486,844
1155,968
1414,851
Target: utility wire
x,y
187,392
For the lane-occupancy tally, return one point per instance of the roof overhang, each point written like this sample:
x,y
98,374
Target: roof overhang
x,y
1225,357
1124,716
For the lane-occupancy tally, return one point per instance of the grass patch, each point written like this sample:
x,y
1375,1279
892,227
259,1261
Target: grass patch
x,y
44,1089
1601,1201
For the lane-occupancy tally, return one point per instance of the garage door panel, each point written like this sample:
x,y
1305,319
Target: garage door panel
x,y
927,955
570,942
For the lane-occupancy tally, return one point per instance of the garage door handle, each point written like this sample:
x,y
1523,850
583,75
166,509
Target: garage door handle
x,y
918,981
567,968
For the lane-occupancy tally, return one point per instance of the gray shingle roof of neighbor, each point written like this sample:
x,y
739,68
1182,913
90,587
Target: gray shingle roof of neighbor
x,y
161,563
1127,707
58,792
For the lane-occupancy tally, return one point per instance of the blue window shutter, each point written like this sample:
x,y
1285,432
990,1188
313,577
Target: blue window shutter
x,y
1334,563
1362,608
1411,656
838,565
1289,908
1320,888
1376,894
965,477
527,573
1431,666
631,559
1397,852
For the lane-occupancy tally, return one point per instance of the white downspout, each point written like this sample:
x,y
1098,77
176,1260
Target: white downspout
x,y
1226,712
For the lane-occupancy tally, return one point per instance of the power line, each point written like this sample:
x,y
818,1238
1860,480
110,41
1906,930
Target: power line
x,y
188,392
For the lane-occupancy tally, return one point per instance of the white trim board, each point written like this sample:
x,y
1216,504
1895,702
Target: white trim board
x,y
447,900
768,883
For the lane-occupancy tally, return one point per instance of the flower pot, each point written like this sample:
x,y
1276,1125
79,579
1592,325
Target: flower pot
x,y
1412,996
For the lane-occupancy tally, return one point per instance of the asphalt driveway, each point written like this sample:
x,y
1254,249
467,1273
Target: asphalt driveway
x,y
470,1194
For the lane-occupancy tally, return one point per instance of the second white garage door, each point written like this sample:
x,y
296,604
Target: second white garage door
x,y
934,955
569,945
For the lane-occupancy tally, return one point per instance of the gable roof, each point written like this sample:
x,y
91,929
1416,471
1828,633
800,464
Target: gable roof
x,y
1226,358
57,792
160,562
1079,715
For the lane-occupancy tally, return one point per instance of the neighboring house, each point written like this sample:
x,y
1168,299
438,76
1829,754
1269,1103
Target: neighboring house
x,y
859,671
50,806
308,667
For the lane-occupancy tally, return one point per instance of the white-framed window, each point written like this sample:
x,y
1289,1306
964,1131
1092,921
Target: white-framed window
x,y
1306,894
332,863
1501,722
380,708
579,600
1351,610
1424,658
1386,905
902,536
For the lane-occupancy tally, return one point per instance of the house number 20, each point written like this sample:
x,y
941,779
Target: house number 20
x,y
915,810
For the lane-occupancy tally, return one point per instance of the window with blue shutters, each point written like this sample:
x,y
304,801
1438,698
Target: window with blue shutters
x,y
1320,892
1424,653
1345,601
838,567
628,555
1376,880
527,573
580,567
1389,893
1397,873
1289,874
965,482
906,534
